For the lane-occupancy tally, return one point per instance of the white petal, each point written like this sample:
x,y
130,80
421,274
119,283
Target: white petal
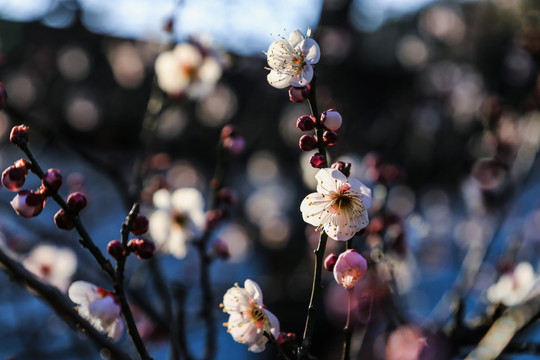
x,y
328,180
274,323
82,292
279,51
116,329
295,38
312,207
311,51
254,291
363,190
159,226
304,78
162,199
65,263
176,244
105,309
278,80
242,329
187,55
236,300
210,71
187,199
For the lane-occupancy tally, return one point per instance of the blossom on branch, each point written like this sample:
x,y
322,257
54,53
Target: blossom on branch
x,y
249,320
53,265
513,288
99,306
339,207
178,218
291,61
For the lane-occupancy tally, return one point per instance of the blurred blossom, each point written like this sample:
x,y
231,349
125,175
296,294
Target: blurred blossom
x,y
441,77
443,23
82,113
466,98
335,43
178,219
218,107
262,168
54,265
519,67
237,239
472,195
171,123
127,64
187,69
73,62
470,232
401,200
417,230
405,343
267,201
183,174
21,88
513,288
412,52
489,174
99,306
275,231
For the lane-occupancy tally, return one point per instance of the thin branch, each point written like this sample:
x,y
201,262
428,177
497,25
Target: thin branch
x,y
60,304
348,330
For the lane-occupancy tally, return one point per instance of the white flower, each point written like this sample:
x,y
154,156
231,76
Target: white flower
x,y
249,319
339,206
98,306
178,218
185,69
513,288
291,61
52,264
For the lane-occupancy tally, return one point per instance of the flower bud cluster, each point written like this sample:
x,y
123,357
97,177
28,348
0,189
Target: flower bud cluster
x,y
143,248
329,123
75,203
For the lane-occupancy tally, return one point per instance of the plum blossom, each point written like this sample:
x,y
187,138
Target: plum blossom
x,y
99,306
349,268
186,70
249,319
178,218
339,207
513,288
54,265
291,60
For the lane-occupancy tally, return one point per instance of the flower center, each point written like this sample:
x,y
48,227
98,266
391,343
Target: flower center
x,y
258,316
45,270
180,219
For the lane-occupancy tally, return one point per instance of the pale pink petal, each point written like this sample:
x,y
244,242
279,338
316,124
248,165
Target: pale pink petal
x,y
311,51
187,56
210,71
329,180
295,38
363,192
162,199
105,309
274,323
313,208
82,292
186,199
236,300
304,78
278,80
116,329
278,51
254,291
176,244
159,224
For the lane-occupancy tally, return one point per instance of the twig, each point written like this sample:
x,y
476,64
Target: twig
x,y
63,307
180,294
118,285
319,129
303,351
348,330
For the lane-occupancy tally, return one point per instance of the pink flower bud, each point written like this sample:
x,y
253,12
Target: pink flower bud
x,y
76,202
221,249
3,96
228,131
284,338
344,167
305,123
330,261
331,119
116,249
63,221
19,134
299,94
235,144
52,179
307,142
213,217
318,161
28,203
144,249
330,137
14,176
350,268
227,195
140,225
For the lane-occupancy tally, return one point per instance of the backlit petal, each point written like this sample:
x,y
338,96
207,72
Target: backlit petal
x,y
278,80
304,78
82,292
295,38
254,291
311,51
312,207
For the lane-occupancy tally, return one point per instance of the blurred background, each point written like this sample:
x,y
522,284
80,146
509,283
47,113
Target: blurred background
x,y
440,118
